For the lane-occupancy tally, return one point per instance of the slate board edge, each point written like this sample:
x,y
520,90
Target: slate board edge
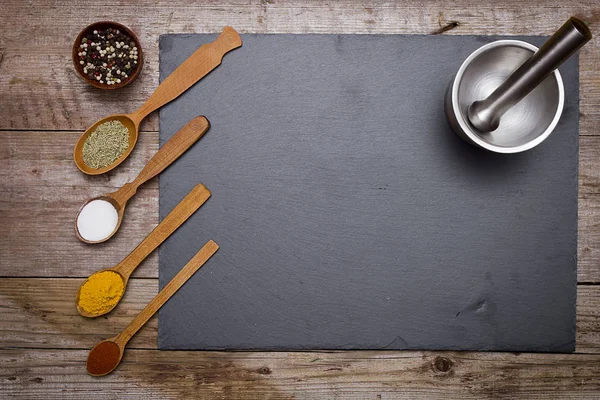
x,y
567,347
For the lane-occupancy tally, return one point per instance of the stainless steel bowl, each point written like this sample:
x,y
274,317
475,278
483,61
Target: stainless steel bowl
x,y
526,124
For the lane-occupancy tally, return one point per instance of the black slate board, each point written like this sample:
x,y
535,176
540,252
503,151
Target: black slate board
x,y
351,217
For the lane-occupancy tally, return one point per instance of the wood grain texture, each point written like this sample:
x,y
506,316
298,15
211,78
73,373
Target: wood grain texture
x,y
42,374
588,319
41,191
55,98
40,313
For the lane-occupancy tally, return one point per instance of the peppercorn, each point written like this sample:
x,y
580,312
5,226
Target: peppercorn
x,y
106,58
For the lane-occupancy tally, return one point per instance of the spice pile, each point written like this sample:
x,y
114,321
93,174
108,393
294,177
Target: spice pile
x,y
109,56
103,358
97,220
101,292
105,145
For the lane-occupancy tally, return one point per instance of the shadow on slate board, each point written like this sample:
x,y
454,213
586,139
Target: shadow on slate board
x,y
351,217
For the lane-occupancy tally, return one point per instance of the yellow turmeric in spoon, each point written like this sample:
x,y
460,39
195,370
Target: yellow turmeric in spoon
x,y
101,292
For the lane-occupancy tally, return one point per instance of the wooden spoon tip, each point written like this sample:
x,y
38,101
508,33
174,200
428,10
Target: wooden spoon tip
x,y
233,36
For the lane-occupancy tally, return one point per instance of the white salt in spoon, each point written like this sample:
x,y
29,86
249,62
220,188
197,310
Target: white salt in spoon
x,y
100,218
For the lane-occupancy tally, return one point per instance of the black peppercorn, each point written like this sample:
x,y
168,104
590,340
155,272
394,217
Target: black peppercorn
x,y
107,56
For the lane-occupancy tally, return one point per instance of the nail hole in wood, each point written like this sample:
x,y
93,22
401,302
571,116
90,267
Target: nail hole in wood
x,y
441,365
264,371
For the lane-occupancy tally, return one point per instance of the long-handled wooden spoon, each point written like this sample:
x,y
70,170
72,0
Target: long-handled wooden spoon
x,y
200,63
168,153
107,354
125,268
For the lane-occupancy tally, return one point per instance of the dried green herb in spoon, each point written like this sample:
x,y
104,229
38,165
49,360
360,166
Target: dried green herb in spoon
x,y
105,145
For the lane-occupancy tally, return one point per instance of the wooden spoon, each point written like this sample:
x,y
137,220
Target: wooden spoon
x,y
168,153
176,217
103,358
200,63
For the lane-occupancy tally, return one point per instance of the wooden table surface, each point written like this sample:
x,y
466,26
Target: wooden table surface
x,y
43,110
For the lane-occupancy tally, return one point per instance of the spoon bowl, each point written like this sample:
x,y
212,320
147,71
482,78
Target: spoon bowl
x,y
106,349
119,207
194,68
131,125
86,314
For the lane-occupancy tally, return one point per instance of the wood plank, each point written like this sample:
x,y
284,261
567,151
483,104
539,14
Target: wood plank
x,y
41,191
588,241
41,90
40,313
42,374
588,319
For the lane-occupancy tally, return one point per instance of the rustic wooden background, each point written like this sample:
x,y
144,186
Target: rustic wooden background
x,y
43,110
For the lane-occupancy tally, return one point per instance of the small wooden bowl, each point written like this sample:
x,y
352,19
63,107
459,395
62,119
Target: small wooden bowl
x,y
99,26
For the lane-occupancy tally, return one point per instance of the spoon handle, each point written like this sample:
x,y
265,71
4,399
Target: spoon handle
x,y
169,290
200,63
169,224
168,153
